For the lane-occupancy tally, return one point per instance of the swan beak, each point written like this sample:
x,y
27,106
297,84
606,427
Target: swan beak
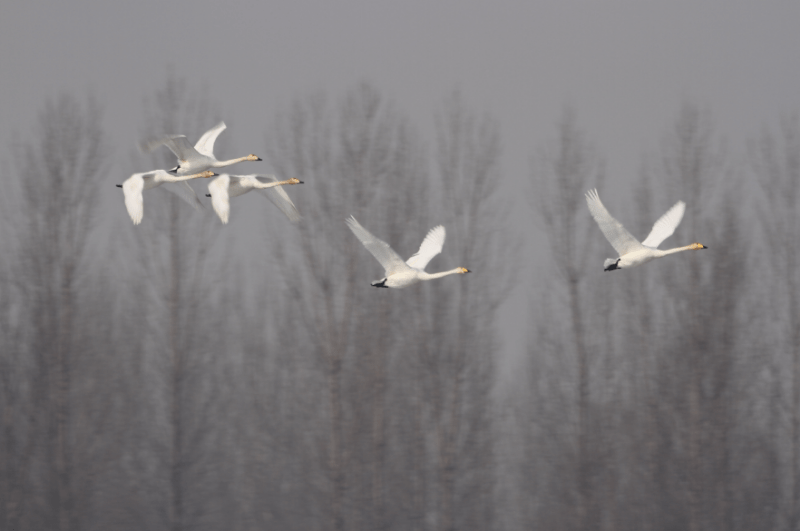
x,y
467,270
301,182
118,186
705,247
259,159
208,195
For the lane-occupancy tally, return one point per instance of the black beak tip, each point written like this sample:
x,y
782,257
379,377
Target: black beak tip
x,y
468,271
208,195
118,185
302,182
259,159
705,247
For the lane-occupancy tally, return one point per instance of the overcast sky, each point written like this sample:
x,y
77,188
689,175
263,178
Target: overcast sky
x,y
624,66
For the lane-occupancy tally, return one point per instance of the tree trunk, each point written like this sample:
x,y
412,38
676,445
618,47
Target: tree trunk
x,y
176,461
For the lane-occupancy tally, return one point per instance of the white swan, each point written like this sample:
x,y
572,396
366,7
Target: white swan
x,y
631,252
226,186
198,158
138,182
400,274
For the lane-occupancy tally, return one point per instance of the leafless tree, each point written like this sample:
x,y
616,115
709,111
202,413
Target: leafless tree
x,y
176,286
405,381
562,176
776,164
54,218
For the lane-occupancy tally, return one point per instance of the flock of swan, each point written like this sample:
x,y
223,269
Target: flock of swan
x,y
194,162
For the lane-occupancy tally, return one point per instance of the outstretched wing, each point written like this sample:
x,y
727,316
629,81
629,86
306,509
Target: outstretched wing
x,y
176,143
279,198
218,188
132,188
666,225
384,254
205,145
431,246
617,235
185,192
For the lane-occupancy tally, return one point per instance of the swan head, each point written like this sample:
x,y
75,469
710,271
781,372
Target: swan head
x,y
464,270
294,180
698,246
206,174
252,157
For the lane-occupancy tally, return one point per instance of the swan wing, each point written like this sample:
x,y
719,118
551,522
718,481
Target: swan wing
x,y
178,144
665,226
132,188
218,188
185,192
265,178
281,199
384,254
617,235
431,246
205,145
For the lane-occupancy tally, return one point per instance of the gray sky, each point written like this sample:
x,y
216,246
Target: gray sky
x,y
624,66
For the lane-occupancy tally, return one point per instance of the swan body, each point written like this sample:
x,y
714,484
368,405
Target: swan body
x,y
198,158
400,274
632,252
227,186
139,182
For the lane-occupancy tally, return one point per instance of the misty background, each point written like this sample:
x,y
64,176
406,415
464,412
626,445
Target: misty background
x,y
187,375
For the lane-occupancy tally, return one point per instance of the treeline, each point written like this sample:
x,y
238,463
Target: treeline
x,y
149,380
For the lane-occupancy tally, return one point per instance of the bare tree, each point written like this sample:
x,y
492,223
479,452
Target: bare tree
x,y
58,173
173,250
776,163
564,174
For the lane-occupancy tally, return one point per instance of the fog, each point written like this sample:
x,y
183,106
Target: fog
x,y
184,373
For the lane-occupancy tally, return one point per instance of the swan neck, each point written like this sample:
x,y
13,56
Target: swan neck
x,y
431,276
270,185
178,178
221,163
676,250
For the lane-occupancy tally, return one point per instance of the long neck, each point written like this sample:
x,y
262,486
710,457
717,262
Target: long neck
x,y
430,276
177,178
676,250
222,163
270,185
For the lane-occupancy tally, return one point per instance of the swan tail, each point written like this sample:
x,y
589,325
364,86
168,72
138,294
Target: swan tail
x,y
611,264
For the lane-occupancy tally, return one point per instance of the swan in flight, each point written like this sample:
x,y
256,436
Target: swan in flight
x,y
138,182
226,186
198,158
631,251
400,274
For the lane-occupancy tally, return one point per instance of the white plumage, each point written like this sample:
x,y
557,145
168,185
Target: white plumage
x,y
225,187
631,251
138,182
198,158
399,274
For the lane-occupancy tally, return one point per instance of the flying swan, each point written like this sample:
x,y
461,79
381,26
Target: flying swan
x,y
400,274
227,186
138,182
631,252
198,158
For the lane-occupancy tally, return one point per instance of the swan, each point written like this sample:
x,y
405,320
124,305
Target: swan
x,y
138,182
631,252
198,158
226,186
400,274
